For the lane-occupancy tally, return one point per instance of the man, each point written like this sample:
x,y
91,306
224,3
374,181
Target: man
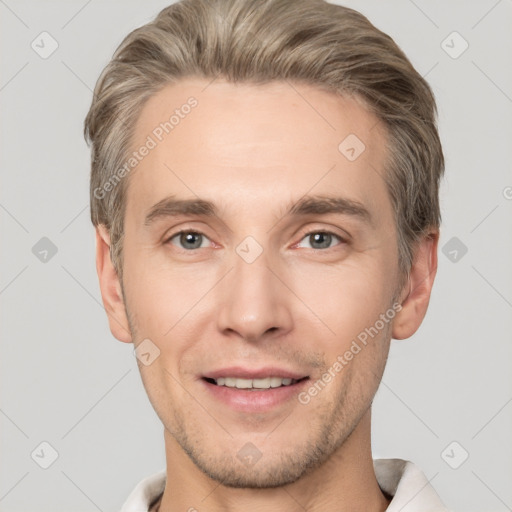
x,y
264,188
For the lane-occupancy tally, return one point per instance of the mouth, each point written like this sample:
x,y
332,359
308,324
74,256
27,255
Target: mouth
x,y
253,392
254,384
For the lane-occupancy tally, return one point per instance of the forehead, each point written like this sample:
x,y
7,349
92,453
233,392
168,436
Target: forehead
x,y
250,142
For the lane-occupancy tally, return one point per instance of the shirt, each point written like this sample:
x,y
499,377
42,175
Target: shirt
x,y
402,480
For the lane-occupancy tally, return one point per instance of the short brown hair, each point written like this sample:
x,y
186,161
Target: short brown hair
x,y
256,41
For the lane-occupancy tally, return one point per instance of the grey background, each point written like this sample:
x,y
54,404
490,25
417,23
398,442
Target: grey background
x,y
66,381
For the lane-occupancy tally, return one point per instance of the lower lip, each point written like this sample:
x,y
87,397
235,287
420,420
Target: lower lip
x,y
245,400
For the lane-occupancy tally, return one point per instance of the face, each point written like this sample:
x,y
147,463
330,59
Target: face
x,y
256,246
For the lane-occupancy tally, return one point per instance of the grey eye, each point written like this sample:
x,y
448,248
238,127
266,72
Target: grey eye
x,y
189,240
321,239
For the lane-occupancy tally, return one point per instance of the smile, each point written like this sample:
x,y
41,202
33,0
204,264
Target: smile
x,y
266,383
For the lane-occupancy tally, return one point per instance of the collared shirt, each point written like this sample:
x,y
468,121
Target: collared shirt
x,y
401,479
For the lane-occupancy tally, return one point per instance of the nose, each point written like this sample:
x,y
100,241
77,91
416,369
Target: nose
x,y
254,302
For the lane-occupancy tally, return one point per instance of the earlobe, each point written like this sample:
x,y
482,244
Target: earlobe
x,y
110,287
419,286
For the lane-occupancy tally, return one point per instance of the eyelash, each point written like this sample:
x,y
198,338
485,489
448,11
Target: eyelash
x,y
309,233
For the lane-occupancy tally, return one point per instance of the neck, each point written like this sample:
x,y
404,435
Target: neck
x,y
345,482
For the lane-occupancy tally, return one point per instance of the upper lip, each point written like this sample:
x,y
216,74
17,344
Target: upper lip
x,y
240,372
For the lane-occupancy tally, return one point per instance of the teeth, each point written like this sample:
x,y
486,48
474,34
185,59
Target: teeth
x,y
269,382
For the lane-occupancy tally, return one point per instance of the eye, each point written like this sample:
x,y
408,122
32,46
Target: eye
x,y
189,240
321,239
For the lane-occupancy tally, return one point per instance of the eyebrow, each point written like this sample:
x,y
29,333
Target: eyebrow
x,y
320,205
171,207
307,205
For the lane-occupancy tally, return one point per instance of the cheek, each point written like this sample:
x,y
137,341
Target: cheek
x,y
160,296
346,298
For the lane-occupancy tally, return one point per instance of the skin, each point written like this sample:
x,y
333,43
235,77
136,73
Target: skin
x,y
254,150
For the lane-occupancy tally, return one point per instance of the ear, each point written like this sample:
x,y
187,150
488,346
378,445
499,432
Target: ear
x,y
417,289
111,287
